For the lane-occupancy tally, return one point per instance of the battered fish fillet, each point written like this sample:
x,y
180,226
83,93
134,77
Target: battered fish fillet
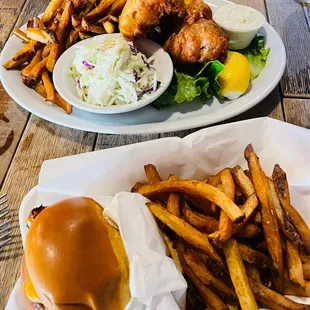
x,y
201,41
140,16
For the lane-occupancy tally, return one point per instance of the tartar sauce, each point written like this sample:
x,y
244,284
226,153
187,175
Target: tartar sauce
x,y
239,22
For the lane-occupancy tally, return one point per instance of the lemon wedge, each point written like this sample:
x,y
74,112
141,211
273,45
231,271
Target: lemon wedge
x,y
235,78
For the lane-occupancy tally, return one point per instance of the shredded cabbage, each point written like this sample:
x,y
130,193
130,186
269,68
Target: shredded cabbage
x,y
113,72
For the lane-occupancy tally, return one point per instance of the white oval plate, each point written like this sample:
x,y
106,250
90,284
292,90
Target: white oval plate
x,y
66,87
148,120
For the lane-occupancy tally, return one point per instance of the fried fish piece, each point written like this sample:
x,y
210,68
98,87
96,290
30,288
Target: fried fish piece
x,y
201,41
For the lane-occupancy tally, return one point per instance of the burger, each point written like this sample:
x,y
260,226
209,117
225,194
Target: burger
x,y
73,259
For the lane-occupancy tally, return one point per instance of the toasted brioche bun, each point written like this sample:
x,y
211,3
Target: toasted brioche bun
x,y
74,259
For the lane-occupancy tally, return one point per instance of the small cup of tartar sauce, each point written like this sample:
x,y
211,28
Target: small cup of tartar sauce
x,y
239,22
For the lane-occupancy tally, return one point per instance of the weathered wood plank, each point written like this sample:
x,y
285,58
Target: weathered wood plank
x,y
9,11
307,13
109,141
41,141
288,18
297,111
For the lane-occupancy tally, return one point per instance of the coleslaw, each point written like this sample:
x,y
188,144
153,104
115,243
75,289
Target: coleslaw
x,y
113,72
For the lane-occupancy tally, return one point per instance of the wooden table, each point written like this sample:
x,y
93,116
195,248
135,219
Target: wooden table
x,y
26,140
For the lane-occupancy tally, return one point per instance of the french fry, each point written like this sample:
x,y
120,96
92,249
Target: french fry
x,y
284,222
62,103
40,89
116,7
11,64
216,182
194,262
152,174
72,38
208,224
37,69
257,217
238,275
173,204
136,187
243,181
225,224
108,27
173,252
64,20
50,35
28,50
306,270
27,80
280,180
201,189
79,4
185,231
35,22
294,264
253,272
37,35
297,290
22,35
53,56
98,12
273,299
46,50
85,26
253,257
193,297
75,21
49,87
269,220
84,35
51,10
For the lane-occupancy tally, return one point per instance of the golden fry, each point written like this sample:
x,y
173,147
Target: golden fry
x,y
27,80
91,27
11,64
173,204
296,290
65,20
46,50
116,7
50,35
253,272
201,189
269,220
28,50
49,87
62,103
22,35
72,38
40,89
306,270
37,69
53,56
253,257
257,217
173,252
98,12
37,35
152,174
280,181
195,263
109,27
185,231
243,181
294,264
238,275
51,10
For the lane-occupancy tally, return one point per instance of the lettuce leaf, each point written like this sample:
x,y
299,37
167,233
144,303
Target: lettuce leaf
x,y
257,55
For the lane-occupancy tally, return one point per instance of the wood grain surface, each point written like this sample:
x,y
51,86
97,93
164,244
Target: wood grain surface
x,y
26,141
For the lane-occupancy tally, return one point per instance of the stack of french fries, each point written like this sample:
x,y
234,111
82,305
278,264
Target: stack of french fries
x,y
236,236
63,23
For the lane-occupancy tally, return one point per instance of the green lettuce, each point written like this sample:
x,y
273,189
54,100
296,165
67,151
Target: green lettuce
x,y
257,55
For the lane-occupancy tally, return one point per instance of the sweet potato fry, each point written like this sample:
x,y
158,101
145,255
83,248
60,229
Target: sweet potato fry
x,y
116,7
62,103
206,277
253,272
49,87
243,181
53,56
306,270
98,12
173,204
269,220
284,222
65,20
273,299
201,189
280,181
152,174
185,231
225,224
238,275
51,10
22,35
294,264
253,257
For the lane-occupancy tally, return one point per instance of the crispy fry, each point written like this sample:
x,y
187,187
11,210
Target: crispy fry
x,y
243,181
173,252
294,264
136,187
46,50
257,217
75,20
280,181
109,27
79,4
216,182
49,87
238,275
253,272
284,222
22,35
65,20
28,50
40,89
173,204
37,69
208,224
26,71
206,277
225,224
110,18
253,257
62,103
11,64
84,35
306,270
296,290
152,174
98,12
116,7
193,296
196,188
185,231
72,38
53,56
269,220
50,10
91,27
37,35
273,299
50,35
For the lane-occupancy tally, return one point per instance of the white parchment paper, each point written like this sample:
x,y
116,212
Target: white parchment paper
x,y
108,176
